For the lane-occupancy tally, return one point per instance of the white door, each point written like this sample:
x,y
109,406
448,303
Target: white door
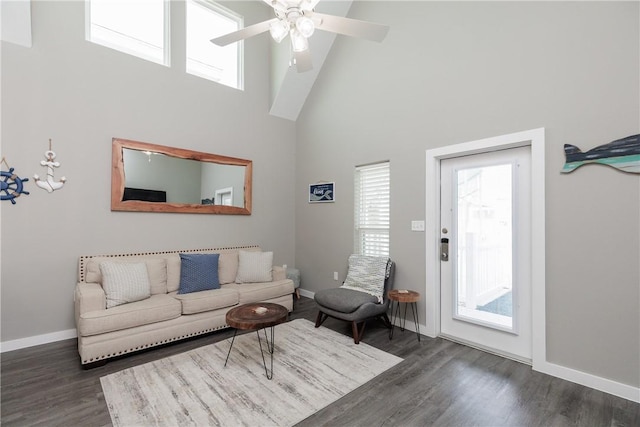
x,y
485,231
224,197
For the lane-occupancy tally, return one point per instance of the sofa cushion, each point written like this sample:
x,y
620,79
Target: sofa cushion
x,y
228,267
198,272
198,302
254,292
124,282
343,300
254,267
151,310
156,269
173,272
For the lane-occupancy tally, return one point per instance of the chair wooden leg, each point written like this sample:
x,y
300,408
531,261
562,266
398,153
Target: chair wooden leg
x,y
321,318
354,329
357,332
298,293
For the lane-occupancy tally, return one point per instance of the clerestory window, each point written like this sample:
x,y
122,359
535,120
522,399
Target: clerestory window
x,y
207,20
135,27
141,28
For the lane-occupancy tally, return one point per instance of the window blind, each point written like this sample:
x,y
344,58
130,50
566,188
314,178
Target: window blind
x,y
371,216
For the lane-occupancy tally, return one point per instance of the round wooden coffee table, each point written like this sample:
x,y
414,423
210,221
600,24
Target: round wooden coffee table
x,y
408,297
257,316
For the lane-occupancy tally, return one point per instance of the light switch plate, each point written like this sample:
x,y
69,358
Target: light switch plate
x,y
417,225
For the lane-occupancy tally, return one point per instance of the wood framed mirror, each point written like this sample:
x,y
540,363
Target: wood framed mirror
x,y
155,178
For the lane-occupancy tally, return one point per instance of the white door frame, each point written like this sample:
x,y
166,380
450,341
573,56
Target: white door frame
x,y
536,140
222,192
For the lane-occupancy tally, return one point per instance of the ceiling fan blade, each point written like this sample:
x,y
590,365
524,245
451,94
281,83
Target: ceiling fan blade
x,y
280,5
309,4
351,27
303,61
245,33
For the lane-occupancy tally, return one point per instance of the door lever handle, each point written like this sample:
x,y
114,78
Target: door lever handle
x,y
444,249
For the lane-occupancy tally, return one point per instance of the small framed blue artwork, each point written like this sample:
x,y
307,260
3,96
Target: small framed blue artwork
x,y
322,193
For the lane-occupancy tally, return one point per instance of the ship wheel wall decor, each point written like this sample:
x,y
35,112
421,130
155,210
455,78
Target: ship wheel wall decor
x,y
11,186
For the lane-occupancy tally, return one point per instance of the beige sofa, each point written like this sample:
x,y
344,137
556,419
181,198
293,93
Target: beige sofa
x,y
165,315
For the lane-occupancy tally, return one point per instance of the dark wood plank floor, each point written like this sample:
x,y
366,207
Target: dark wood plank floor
x,y
439,383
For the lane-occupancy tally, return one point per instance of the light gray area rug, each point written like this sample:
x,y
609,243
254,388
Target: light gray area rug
x,y
312,368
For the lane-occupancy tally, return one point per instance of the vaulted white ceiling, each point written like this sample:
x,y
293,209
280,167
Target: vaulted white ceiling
x,y
289,88
15,22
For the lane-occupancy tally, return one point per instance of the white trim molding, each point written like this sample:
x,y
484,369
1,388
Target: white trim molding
x,y
533,138
536,139
589,380
37,340
306,293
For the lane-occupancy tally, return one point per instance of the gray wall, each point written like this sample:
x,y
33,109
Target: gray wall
x,y
81,95
218,177
455,72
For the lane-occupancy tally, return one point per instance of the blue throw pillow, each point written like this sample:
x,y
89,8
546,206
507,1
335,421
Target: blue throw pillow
x,y
198,272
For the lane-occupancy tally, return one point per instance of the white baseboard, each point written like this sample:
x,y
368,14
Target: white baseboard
x,y
306,293
37,340
588,380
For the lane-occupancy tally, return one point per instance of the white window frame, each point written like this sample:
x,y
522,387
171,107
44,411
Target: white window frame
x,y
372,208
112,44
228,14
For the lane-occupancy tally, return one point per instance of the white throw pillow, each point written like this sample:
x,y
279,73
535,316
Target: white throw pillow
x,y
228,267
156,268
254,267
125,282
367,274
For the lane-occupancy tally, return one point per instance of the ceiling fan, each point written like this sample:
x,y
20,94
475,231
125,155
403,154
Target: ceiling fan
x,y
298,19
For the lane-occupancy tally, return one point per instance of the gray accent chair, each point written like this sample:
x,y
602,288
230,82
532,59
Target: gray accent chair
x,y
354,306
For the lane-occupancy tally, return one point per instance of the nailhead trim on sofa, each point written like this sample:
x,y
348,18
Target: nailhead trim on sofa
x,y
82,263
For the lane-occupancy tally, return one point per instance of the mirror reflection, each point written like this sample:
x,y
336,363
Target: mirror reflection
x,y
156,177
153,178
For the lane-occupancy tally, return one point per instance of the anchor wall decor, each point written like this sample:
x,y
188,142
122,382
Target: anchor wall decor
x,y
49,184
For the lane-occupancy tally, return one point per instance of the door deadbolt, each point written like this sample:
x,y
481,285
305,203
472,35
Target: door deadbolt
x,y
444,249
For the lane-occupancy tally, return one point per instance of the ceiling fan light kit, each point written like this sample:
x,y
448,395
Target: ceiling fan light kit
x,y
305,26
299,19
299,43
279,30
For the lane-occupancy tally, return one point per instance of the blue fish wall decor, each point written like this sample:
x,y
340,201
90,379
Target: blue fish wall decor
x,y
622,154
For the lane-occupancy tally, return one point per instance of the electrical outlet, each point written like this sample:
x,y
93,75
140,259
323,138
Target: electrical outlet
x,y
417,225
335,276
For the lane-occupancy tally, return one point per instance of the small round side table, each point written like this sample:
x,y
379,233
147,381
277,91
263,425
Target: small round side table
x,y
257,316
407,297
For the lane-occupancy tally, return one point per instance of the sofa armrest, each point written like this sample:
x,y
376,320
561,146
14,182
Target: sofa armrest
x,y
278,273
89,297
